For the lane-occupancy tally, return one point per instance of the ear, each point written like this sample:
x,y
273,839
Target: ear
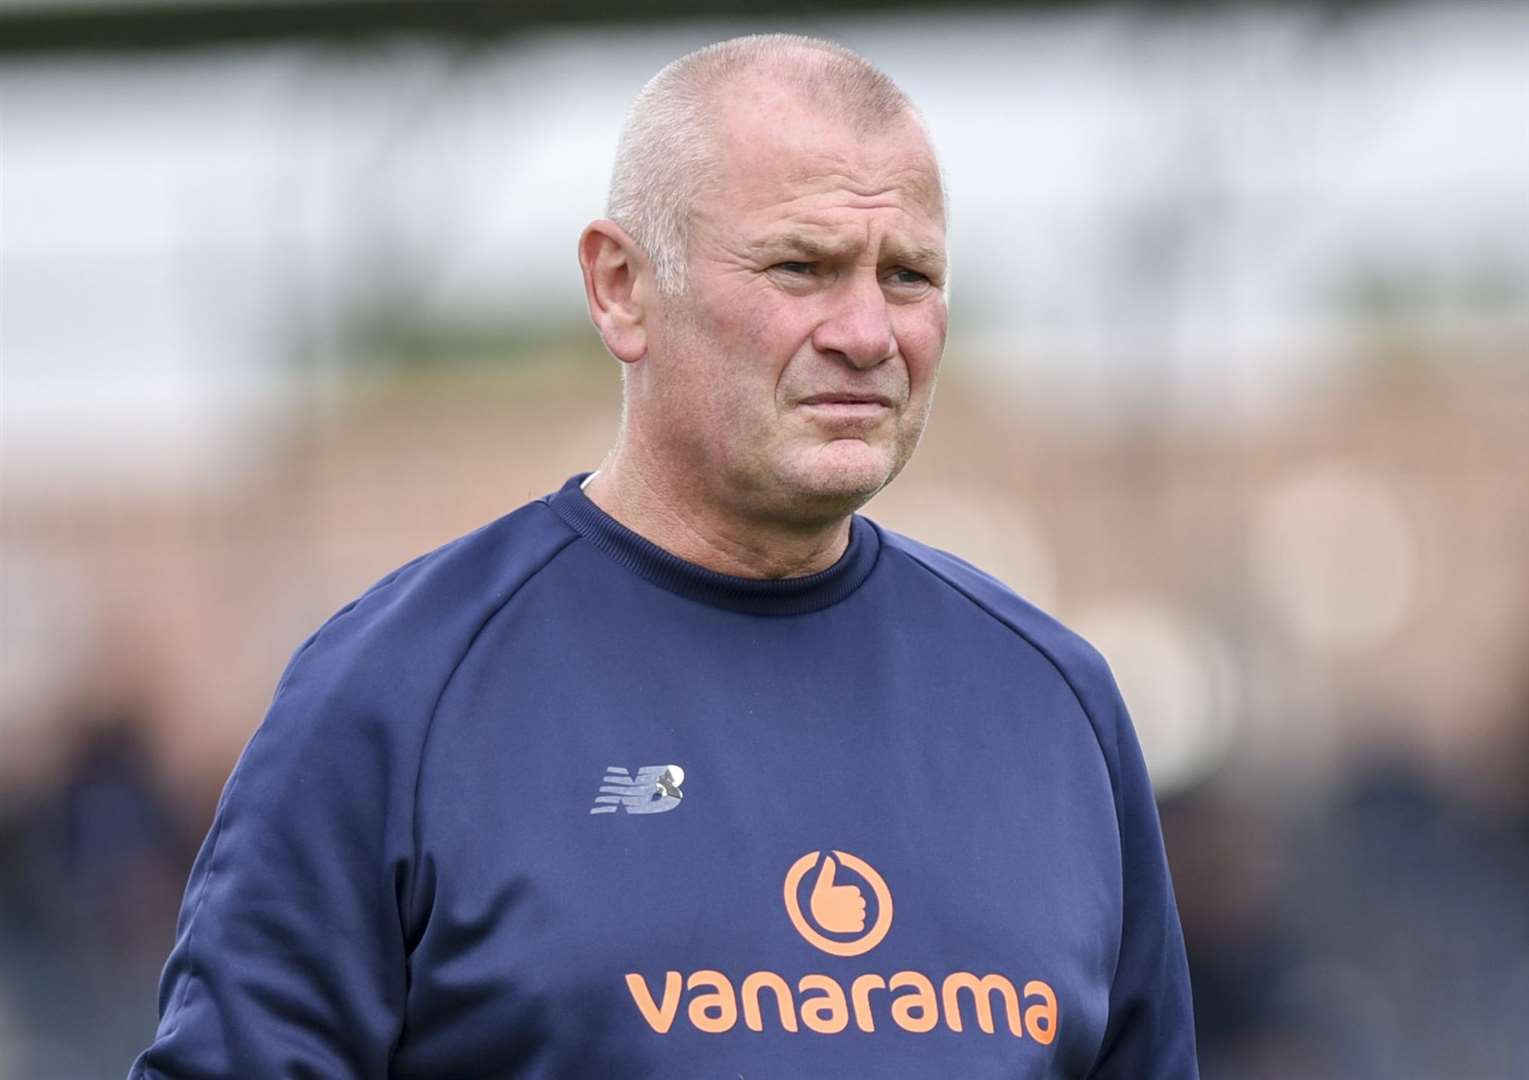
x,y
617,287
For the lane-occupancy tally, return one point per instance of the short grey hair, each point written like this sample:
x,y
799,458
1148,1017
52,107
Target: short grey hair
x,y
665,154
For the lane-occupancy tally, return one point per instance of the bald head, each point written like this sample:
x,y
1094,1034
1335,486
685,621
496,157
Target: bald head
x,y
669,144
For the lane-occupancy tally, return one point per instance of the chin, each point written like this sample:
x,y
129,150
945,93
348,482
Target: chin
x,y
839,480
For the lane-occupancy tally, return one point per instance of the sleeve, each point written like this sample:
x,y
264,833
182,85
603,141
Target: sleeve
x,y
289,958
1150,1032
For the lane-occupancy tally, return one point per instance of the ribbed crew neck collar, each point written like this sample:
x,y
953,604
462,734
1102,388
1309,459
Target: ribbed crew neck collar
x,y
783,596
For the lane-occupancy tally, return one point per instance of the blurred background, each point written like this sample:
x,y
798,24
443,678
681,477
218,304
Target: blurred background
x,y
1238,386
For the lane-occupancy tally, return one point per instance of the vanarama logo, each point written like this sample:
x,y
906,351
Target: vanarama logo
x,y
832,914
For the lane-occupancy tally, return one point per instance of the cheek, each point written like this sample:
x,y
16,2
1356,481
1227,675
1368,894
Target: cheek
x,y
922,339
723,385
760,338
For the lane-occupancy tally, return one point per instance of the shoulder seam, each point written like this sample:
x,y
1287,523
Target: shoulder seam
x,y
1111,771
176,1007
445,685
1093,722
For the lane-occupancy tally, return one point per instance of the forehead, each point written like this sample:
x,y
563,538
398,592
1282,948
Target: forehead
x,y
778,154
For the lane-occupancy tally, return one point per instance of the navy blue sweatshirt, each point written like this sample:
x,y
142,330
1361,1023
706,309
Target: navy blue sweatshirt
x,y
551,802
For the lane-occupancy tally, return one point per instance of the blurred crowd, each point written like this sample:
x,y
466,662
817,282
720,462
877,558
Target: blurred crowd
x,y
1351,851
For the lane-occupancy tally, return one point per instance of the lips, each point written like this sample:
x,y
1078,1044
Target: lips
x,y
864,400
847,414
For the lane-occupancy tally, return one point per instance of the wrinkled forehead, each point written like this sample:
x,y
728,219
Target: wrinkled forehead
x,y
772,143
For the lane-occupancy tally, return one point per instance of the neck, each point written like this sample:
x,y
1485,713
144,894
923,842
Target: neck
x,y
677,516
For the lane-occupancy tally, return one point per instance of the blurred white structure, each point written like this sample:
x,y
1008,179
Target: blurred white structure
x,y
1145,209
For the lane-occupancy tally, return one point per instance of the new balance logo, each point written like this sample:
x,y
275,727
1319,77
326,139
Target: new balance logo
x,y
655,789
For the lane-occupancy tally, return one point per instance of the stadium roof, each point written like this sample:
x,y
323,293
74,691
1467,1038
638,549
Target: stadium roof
x,y
51,26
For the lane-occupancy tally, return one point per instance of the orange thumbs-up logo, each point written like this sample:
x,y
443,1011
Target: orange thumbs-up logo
x,y
837,906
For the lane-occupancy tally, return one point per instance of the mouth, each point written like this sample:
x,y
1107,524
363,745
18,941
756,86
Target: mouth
x,y
847,406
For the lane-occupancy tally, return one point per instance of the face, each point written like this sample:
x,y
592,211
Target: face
x,y
793,378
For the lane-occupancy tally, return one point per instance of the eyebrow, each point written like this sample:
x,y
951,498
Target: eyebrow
x,y
800,243
812,247
921,256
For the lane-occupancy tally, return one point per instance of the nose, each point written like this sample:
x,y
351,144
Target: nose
x,y
858,326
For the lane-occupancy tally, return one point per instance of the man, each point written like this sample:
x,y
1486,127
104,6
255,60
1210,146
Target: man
x,y
685,770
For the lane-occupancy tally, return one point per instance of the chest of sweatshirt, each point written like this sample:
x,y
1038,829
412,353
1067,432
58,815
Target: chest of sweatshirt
x,y
627,801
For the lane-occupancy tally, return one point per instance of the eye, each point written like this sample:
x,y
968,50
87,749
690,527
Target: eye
x,y
794,267
901,275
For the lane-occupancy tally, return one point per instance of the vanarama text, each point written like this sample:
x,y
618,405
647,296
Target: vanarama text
x,y
911,1001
